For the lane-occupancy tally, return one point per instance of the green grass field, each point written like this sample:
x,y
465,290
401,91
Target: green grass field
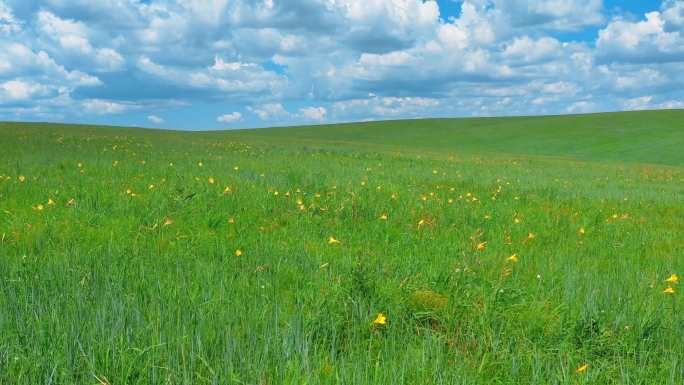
x,y
500,251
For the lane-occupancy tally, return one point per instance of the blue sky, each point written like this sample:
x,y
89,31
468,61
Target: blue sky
x,y
221,64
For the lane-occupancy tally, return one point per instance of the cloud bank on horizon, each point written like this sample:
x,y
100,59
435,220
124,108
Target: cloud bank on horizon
x,y
201,64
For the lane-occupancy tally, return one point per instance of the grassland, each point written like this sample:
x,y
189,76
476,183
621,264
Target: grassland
x,y
501,251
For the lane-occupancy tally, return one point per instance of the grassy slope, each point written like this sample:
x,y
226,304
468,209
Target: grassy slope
x,y
644,136
102,288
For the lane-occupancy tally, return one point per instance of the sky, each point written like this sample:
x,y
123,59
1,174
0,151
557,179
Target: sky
x,y
224,64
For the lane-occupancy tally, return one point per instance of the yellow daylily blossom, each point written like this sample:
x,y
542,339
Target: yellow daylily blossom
x,y
380,319
674,278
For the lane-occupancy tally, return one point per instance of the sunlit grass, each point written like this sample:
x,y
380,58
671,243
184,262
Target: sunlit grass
x,y
137,257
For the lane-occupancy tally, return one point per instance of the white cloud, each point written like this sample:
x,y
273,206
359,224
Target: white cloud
x,y
386,107
8,23
229,118
657,38
313,113
104,107
528,50
16,90
270,111
327,56
155,119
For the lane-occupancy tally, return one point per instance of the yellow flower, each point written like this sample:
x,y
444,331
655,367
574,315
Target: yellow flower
x,y
582,368
227,190
22,178
333,241
200,164
39,207
383,217
238,252
513,258
669,290
168,221
531,235
581,231
231,220
150,187
380,319
211,180
236,168
51,202
481,246
674,278
71,201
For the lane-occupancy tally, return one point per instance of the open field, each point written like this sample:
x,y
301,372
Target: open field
x,y
501,251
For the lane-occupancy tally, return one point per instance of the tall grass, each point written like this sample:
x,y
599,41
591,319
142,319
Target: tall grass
x,y
119,262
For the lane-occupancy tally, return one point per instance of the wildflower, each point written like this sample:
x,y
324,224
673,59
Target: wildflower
x,y
674,278
380,319
236,168
238,252
151,187
168,221
71,201
481,246
231,220
51,202
581,231
513,258
227,190
333,241
582,368
422,222
516,220
200,164
39,207
115,163
22,178
669,290
211,180
531,235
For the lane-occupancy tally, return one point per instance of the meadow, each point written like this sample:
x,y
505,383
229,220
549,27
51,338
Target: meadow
x,y
543,250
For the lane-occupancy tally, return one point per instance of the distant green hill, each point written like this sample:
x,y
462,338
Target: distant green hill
x,y
642,136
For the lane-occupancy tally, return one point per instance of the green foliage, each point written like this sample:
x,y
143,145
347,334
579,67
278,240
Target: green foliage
x,y
119,262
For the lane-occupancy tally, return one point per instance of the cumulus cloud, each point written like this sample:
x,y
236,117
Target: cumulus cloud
x,y
104,107
292,61
313,113
155,119
229,118
270,111
659,37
